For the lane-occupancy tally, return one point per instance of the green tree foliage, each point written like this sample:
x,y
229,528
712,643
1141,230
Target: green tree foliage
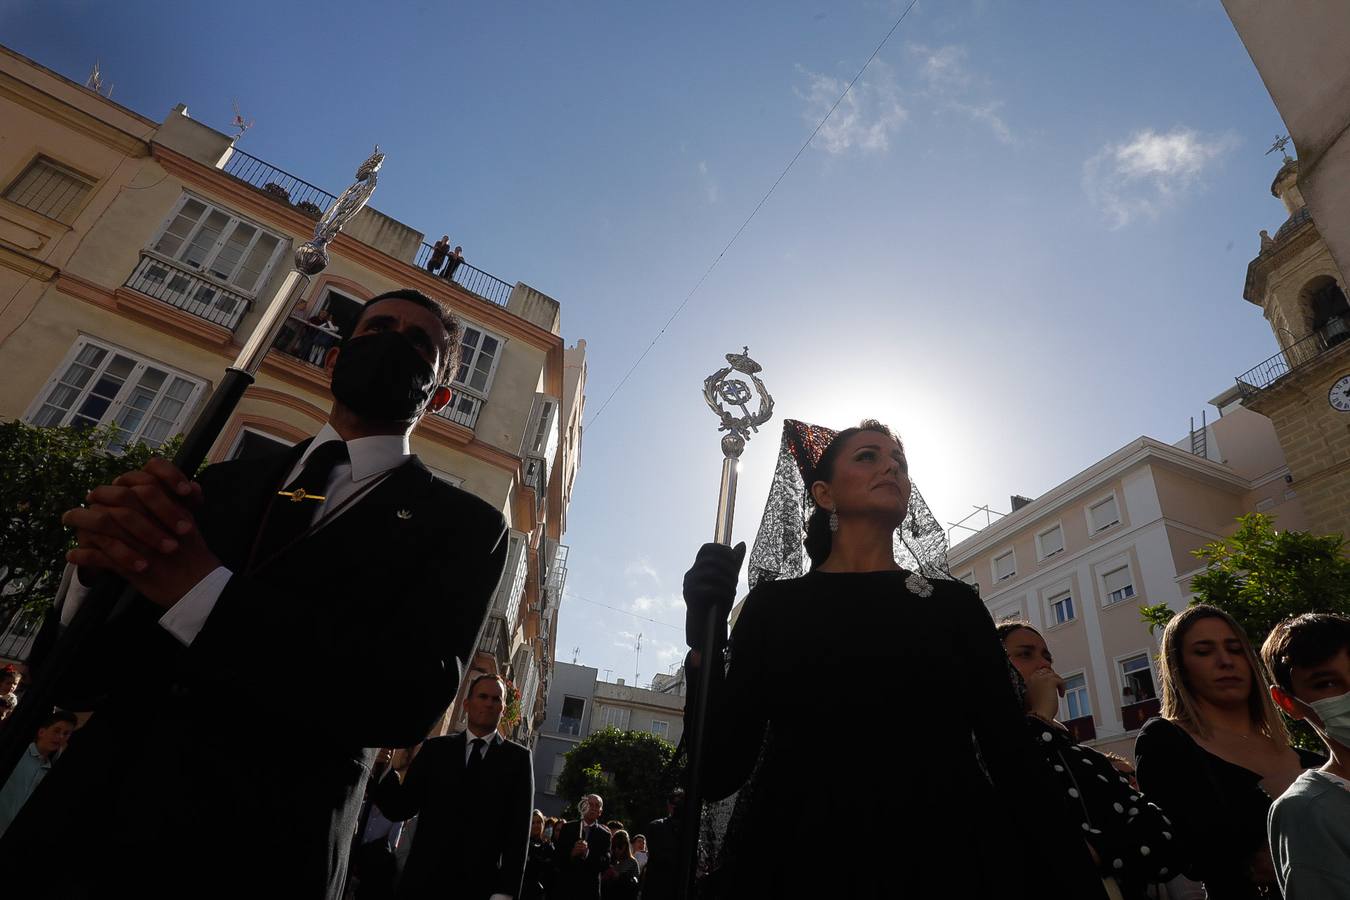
x,y
43,473
627,768
1261,576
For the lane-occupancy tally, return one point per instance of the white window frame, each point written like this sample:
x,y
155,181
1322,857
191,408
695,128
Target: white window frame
x,y
1120,674
69,211
616,716
249,429
559,763
483,392
1054,597
581,720
664,732
1115,565
1093,530
1087,694
993,566
233,221
1041,555
118,403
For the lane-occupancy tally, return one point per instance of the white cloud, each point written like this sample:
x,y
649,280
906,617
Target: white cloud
x,y
1150,172
864,120
647,604
641,569
710,189
953,87
944,68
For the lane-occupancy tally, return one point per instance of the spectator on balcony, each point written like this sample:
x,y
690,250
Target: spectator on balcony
x,y
323,335
1128,838
1309,657
1218,753
439,251
455,261
51,738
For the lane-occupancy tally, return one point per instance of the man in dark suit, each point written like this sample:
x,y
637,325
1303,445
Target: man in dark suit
x,y
663,851
583,852
229,745
472,793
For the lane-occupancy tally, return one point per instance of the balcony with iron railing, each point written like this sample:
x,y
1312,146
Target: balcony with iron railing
x,y
311,200
1293,357
188,290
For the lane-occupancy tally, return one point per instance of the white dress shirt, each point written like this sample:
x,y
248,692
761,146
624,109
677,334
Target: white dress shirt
x,y
370,458
489,741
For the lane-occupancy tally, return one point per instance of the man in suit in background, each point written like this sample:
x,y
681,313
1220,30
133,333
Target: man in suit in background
x,y
261,587
583,852
473,795
663,851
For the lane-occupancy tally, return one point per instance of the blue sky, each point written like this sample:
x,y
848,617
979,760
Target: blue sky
x,y
1021,241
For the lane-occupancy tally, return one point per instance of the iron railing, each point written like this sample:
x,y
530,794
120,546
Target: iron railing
x,y
279,183
463,409
474,280
17,639
1299,353
188,290
313,200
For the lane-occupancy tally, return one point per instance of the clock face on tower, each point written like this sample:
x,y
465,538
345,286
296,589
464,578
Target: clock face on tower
x,y
1339,395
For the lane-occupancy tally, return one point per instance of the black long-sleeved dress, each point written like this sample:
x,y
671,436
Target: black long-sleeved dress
x,y
1219,808
871,686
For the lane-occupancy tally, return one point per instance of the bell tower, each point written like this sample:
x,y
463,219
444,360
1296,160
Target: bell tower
x,y
1304,389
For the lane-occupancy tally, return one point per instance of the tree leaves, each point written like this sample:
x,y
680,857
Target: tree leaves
x,y
626,768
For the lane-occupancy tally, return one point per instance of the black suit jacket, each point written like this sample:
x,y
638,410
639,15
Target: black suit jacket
x,y
472,833
579,879
240,760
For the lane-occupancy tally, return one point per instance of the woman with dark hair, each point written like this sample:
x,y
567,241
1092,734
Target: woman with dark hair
x,y
872,679
1129,838
1219,754
620,881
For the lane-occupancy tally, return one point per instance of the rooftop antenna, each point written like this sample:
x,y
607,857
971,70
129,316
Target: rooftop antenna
x,y
637,665
575,652
239,122
95,82
1281,141
607,671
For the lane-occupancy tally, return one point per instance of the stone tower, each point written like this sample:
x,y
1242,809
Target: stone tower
x,y
1305,388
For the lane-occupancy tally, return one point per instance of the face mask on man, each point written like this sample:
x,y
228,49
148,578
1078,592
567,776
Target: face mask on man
x,y
1335,715
383,378
548,833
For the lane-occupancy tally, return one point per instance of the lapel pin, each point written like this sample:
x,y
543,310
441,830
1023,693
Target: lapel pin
x,y
404,514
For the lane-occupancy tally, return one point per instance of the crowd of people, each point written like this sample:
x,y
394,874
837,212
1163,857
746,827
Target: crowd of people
x,y
357,632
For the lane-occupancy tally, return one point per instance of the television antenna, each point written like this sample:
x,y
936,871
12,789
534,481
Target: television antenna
x,y
637,665
95,82
239,121
1281,142
575,652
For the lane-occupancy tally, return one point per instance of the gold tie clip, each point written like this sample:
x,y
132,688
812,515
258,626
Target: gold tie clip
x,y
299,494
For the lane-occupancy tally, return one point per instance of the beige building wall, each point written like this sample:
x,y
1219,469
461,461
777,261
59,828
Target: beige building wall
x,y
69,273
1167,501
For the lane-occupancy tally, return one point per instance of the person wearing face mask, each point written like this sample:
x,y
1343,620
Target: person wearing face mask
x,y
1129,838
1309,825
538,879
261,584
876,608
1218,754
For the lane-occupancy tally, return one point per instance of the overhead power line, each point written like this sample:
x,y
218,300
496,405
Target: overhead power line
x,y
762,200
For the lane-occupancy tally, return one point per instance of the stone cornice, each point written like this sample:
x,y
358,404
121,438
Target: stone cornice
x,y
246,198
26,265
45,104
1259,269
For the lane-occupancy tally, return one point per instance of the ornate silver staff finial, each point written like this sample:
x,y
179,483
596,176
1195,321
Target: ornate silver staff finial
x,y
311,258
1281,141
735,392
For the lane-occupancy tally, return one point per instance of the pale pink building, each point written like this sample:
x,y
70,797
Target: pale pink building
x,y
1079,561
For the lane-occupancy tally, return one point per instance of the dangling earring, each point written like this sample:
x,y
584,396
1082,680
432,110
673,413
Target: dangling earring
x,y
834,520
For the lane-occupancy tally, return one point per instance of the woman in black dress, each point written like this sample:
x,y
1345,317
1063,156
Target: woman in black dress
x,y
1129,838
1219,754
538,862
863,683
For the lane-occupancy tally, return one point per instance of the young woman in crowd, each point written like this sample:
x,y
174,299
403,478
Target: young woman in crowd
x,y
1128,837
538,860
620,881
1219,754
874,630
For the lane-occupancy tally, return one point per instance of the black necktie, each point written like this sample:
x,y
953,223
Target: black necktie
x,y
291,515
475,754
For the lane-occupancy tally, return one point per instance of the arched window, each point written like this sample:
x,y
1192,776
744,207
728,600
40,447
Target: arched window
x,y
1326,307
